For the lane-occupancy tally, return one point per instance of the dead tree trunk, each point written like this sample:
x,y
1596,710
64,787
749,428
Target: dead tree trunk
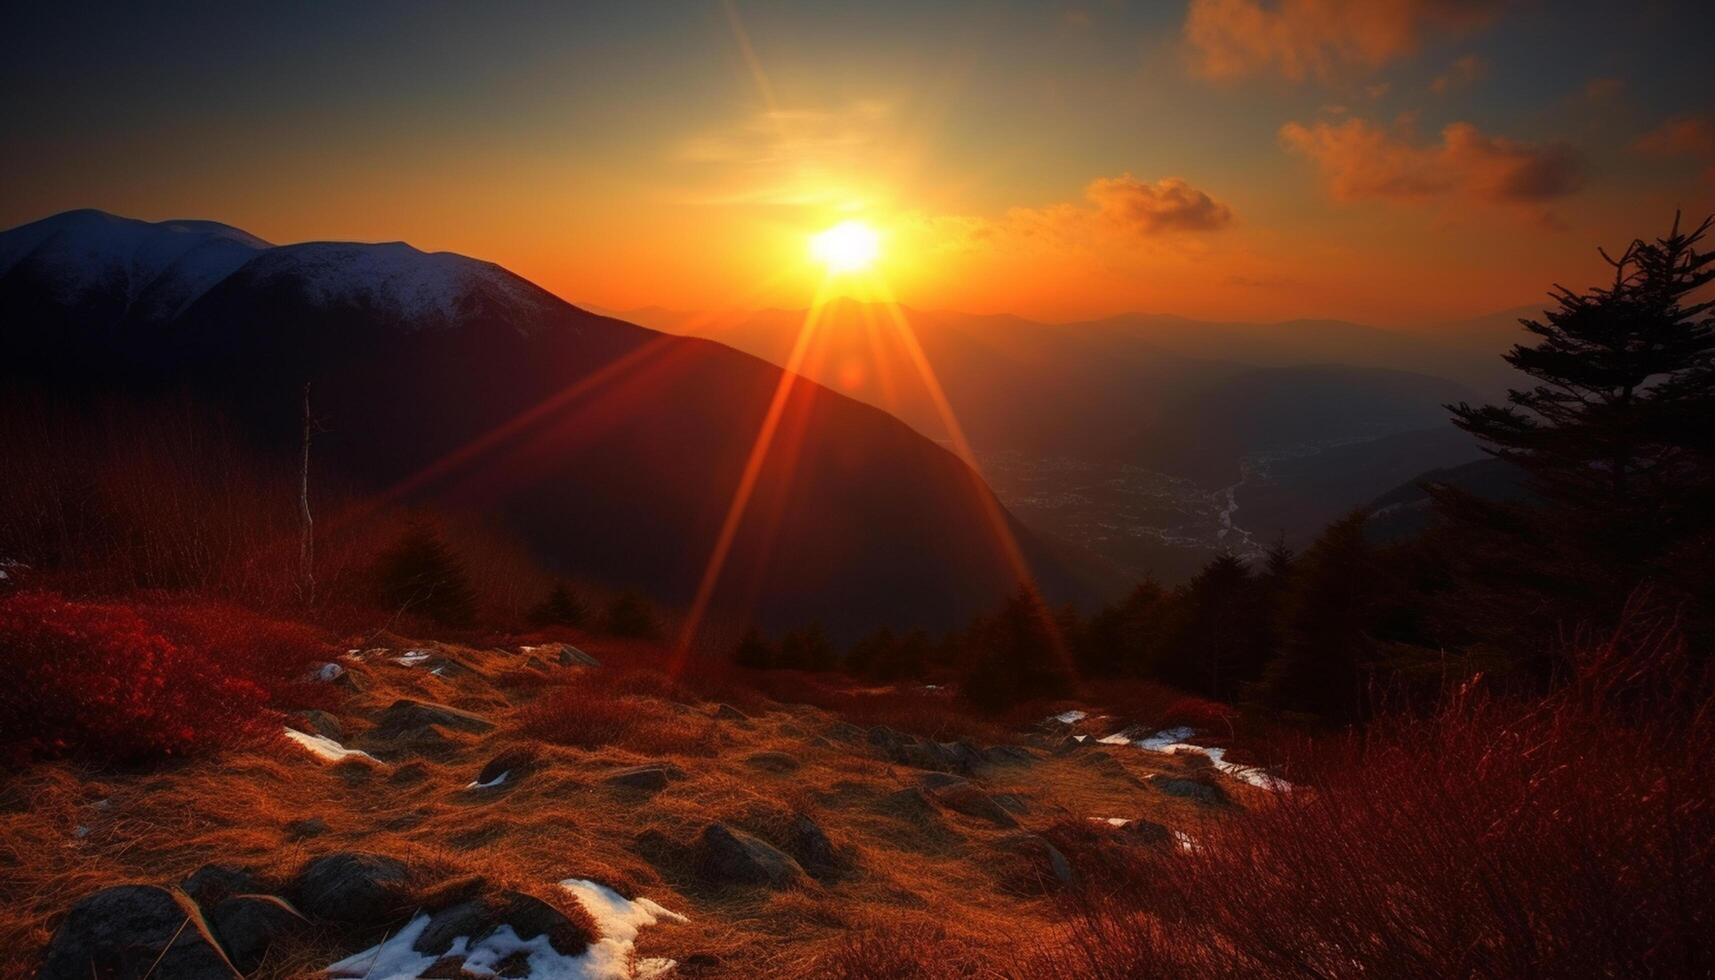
x,y
307,544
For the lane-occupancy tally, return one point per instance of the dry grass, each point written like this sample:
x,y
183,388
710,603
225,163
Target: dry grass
x,y
932,876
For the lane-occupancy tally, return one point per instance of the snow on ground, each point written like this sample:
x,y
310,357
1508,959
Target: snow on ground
x,y
496,781
326,749
1070,717
326,672
411,658
1172,741
617,921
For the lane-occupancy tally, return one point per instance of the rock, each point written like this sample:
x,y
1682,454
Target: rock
x,y
1012,803
537,663
1007,755
845,732
728,855
962,797
813,849
887,739
321,723
514,764
248,925
1145,832
649,778
301,829
964,755
776,762
571,656
362,889
477,918
121,932
210,883
1045,866
910,803
1202,789
727,712
405,716
938,780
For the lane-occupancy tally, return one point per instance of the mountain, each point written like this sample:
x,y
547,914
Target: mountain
x,y
612,449
1153,392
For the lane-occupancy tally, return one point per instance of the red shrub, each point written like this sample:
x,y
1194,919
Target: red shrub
x,y
98,680
276,654
1566,836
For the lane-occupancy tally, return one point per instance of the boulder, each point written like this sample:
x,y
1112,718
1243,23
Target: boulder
x,y
133,931
962,797
733,856
1202,789
514,764
362,889
249,925
813,849
571,656
1007,755
775,762
405,716
319,722
650,778
1044,867
476,918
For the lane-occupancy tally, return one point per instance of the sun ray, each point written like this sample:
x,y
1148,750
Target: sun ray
x,y
747,481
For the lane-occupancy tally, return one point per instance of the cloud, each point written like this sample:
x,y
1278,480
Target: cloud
x,y
1363,161
1167,205
1684,136
1300,39
1604,89
1461,73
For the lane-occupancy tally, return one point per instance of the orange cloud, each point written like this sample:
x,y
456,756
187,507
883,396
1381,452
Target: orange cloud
x,y
1143,208
1359,160
1684,136
1302,39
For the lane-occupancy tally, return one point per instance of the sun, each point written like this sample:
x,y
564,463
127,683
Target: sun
x,y
850,246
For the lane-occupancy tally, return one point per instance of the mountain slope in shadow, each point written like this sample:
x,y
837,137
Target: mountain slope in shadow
x,y
614,450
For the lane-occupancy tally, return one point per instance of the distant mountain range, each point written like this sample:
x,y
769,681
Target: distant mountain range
x,y
1158,441
611,448
1182,396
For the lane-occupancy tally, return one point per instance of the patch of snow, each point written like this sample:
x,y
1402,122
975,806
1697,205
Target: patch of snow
x,y
326,749
1081,738
1184,841
411,658
609,957
1070,717
424,289
1112,821
80,832
496,781
1172,741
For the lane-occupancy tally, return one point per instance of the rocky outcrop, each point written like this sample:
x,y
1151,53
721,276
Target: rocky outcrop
x,y
360,889
729,856
132,931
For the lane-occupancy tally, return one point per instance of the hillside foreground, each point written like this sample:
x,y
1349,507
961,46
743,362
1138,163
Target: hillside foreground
x,y
756,838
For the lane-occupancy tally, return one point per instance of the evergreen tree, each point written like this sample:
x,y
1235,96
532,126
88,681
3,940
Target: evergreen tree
x,y
754,651
1615,437
1220,639
562,607
630,615
421,575
1338,601
807,649
1017,654
1118,638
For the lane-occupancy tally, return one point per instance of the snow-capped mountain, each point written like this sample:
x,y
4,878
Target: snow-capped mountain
x,y
621,446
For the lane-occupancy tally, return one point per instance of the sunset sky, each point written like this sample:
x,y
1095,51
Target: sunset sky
x,y
1393,161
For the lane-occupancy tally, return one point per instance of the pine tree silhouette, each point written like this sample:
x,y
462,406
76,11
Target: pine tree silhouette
x,y
562,607
421,575
630,615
